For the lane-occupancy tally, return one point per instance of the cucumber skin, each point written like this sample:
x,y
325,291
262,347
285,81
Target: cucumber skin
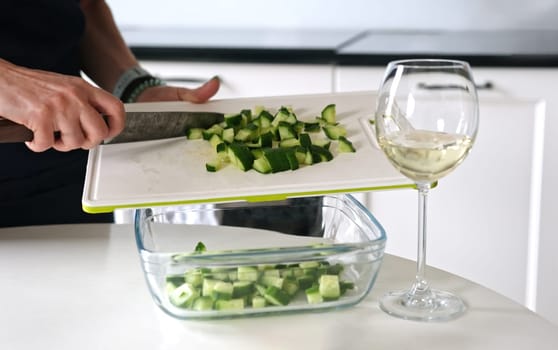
x,y
345,146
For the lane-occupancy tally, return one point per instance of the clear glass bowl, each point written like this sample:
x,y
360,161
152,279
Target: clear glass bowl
x,y
288,240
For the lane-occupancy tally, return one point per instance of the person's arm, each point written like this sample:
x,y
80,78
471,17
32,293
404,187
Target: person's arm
x,y
105,57
47,102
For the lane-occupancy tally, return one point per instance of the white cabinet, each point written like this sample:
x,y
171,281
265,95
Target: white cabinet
x,y
539,83
483,219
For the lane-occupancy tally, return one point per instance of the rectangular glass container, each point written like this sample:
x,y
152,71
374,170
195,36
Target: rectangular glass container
x,y
283,245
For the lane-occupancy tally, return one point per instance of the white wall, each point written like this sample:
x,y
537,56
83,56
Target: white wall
x,y
350,14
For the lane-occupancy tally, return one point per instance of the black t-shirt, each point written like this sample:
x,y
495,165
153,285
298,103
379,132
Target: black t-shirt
x,y
46,187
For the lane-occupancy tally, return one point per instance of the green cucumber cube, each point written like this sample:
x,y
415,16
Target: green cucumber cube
x,y
203,303
272,281
248,273
208,285
194,277
222,290
305,282
344,286
194,133
242,288
184,295
333,132
329,287
231,304
313,295
276,296
290,285
258,302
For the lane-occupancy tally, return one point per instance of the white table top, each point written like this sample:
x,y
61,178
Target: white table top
x,y
81,287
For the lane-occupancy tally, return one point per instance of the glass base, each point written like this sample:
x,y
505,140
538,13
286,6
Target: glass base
x,y
429,305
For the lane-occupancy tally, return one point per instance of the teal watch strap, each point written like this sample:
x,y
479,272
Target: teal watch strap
x,y
133,82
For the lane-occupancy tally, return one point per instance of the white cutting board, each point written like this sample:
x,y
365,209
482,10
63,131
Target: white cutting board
x,y
172,171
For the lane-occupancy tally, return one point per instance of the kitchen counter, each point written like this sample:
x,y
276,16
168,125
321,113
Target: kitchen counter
x,y
238,45
479,48
344,47
81,287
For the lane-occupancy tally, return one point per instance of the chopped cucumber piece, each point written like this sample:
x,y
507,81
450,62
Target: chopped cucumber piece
x,y
203,303
214,140
248,273
288,143
305,140
222,290
266,140
290,285
194,277
232,120
242,288
276,296
200,247
232,304
313,295
324,154
344,286
258,302
345,146
269,281
334,131
175,280
228,135
277,159
214,165
261,165
322,143
194,133
312,127
208,285
292,159
329,114
286,131
184,295
271,272
309,264
329,287
215,129
305,281
240,156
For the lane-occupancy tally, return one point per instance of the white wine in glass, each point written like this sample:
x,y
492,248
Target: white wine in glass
x,y
426,122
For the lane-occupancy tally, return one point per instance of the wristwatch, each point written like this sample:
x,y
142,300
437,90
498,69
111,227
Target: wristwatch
x,y
133,82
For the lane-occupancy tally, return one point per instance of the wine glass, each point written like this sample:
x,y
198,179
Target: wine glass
x,y
426,121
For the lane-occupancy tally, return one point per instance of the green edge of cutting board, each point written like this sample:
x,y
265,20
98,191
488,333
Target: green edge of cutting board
x,y
259,198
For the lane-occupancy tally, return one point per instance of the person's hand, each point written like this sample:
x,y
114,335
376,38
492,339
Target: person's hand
x,y
49,103
173,93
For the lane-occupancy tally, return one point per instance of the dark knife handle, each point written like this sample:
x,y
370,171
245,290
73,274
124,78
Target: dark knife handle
x,y
14,132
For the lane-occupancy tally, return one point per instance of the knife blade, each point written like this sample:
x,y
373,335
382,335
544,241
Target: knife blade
x,y
139,126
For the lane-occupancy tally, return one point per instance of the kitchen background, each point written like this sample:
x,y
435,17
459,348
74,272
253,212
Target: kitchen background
x,y
492,224
352,14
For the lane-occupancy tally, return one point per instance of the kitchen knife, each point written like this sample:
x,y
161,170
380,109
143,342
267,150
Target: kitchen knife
x,y
140,126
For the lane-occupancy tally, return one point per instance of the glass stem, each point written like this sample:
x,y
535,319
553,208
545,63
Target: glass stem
x,y
421,285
